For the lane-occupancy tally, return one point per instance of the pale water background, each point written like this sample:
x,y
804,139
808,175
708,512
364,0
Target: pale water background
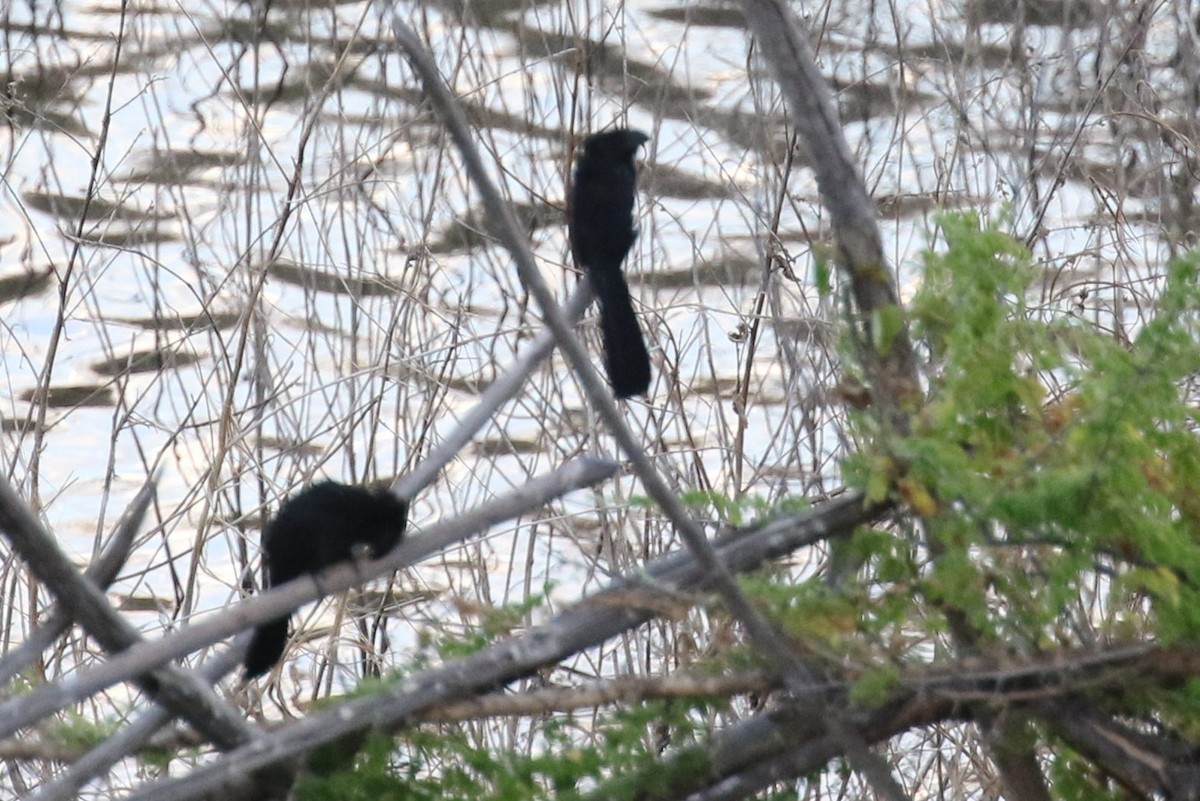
x,y
282,274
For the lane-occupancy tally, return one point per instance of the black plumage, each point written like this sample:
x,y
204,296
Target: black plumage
x,y
320,526
602,233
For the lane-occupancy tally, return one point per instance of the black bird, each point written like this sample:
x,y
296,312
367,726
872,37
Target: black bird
x,y
318,527
601,234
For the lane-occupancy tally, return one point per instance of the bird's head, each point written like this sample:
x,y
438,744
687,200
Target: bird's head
x,y
619,143
384,519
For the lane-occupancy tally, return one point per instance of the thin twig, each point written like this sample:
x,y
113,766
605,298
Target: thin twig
x,y
761,633
180,690
32,707
101,572
66,785
496,395
624,605
38,411
886,349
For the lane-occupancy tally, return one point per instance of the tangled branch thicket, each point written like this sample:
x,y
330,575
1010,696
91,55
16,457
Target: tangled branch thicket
x,y
292,244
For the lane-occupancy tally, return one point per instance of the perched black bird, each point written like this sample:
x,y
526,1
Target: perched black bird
x,y
601,234
318,527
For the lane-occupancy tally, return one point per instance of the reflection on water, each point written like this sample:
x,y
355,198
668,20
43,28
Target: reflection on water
x,y
240,248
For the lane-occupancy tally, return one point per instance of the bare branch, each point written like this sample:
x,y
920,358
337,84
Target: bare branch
x,y
496,395
763,635
886,349
595,694
180,690
624,605
1153,766
28,709
84,768
100,572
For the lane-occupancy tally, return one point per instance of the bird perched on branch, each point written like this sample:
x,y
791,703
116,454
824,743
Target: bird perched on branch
x,y
601,234
320,526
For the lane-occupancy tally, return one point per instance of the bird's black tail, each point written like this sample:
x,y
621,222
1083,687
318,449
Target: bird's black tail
x,y
266,647
625,353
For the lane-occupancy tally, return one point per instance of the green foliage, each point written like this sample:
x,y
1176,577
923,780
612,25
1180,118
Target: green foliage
x,y
1024,495
79,732
839,619
744,510
1074,779
494,623
873,689
567,762
156,756
822,273
1053,477
1052,471
809,612
1178,707
888,324
372,778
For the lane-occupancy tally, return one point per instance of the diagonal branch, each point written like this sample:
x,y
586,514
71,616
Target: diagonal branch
x,y
101,572
761,633
496,395
1153,766
625,604
27,709
66,786
886,349
181,691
